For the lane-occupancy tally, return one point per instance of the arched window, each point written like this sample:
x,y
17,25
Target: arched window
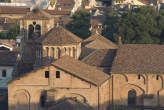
x,y
38,30
69,51
65,51
59,52
52,52
30,31
47,51
74,52
132,97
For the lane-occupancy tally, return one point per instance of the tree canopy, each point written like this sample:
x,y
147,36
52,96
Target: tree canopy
x,y
12,32
80,24
6,1
142,26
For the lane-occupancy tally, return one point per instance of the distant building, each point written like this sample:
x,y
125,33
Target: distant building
x,y
7,63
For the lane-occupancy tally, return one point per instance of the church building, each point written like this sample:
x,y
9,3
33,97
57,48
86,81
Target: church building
x,y
57,70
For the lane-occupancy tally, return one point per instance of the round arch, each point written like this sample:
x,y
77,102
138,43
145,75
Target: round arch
x,y
22,100
126,88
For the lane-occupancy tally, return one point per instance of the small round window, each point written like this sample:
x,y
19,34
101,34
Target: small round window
x,y
34,22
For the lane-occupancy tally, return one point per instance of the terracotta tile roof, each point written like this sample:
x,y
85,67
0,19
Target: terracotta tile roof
x,y
99,40
37,14
79,69
13,10
100,58
59,36
97,19
58,12
139,58
85,52
8,58
97,44
4,20
62,21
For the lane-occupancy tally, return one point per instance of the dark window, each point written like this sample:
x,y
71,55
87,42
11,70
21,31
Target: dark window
x,y
132,97
58,52
57,74
47,51
46,74
43,99
38,30
31,31
157,77
139,76
34,23
4,73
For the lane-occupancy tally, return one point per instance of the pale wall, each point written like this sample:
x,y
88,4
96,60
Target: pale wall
x,y
148,84
32,84
8,69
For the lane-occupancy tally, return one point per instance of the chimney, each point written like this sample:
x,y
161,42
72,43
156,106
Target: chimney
x,y
119,40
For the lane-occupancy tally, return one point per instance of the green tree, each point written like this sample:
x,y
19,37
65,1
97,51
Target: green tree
x,y
6,1
143,25
12,32
80,24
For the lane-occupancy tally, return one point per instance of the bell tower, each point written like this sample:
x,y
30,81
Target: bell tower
x,y
33,26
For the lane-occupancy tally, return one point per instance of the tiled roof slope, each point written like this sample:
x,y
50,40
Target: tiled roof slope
x,y
101,38
58,12
81,70
8,58
139,58
13,10
98,44
59,36
37,14
100,58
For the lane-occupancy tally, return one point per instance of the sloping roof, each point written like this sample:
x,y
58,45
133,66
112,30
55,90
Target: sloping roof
x,y
13,10
98,44
139,58
58,12
8,58
101,38
81,70
37,14
59,36
100,58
